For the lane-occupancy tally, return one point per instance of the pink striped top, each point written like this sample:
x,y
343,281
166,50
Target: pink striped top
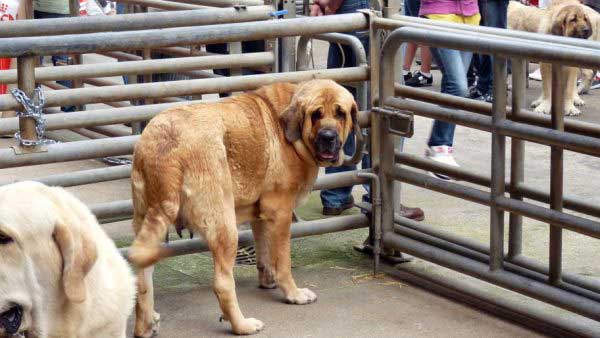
x,y
460,7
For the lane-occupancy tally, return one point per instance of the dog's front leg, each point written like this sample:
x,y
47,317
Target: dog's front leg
x,y
278,218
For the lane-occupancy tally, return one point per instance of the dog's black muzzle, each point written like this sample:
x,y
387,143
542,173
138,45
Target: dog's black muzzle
x,y
11,320
327,145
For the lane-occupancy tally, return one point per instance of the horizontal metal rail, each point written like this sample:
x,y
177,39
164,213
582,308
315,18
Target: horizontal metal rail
x,y
130,22
506,279
399,21
71,151
188,87
225,3
574,142
528,49
99,117
570,202
124,209
182,36
566,221
485,108
298,230
174,65
164,5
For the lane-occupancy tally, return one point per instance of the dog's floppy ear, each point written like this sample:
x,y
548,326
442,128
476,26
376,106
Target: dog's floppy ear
x,y
559,24
292,119
78,255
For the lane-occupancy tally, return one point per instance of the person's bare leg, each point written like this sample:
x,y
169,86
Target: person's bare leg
x,y
409,55
425,60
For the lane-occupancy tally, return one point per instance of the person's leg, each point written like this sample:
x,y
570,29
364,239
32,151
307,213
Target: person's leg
x,y
411,8
454,66
220,48
495,15
337,200
425,60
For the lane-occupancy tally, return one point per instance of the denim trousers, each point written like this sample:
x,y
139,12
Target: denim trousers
x,y
56,59
342,58
454,65
494,14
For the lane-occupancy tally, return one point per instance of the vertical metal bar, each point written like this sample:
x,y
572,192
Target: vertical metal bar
x,y
288,45
498,165
374,51
235,48
517,157
386,143
26,83
556,171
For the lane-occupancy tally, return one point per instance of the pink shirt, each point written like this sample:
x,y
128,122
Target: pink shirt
x,y
460,7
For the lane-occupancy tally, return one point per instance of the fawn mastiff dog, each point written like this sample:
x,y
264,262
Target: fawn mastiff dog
x,y
252,157
60,274
567,18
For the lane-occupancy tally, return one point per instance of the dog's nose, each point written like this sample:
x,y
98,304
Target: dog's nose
x,y
327,135
11,320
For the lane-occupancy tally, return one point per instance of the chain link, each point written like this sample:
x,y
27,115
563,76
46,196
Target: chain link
x,y
33,109
117,160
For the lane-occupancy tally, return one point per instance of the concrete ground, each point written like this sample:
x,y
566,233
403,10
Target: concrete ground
x,y
352,302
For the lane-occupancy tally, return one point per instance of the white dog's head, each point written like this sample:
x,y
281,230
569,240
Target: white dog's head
x,y
43,259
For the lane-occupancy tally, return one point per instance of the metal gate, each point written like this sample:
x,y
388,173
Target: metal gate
x,y
393,117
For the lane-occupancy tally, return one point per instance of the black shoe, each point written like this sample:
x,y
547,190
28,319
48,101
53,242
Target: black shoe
x,y
474,93
407,77
486,98
419,80
334,211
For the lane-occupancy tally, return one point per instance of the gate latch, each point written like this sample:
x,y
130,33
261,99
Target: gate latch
x,y
401,121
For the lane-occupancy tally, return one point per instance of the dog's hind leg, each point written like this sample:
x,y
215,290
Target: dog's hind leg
x,y
210,210
147,321
266,273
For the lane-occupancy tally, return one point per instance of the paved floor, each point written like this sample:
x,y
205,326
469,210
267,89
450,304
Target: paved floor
x,y
351,302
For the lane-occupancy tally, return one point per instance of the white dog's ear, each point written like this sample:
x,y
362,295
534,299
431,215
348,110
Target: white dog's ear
x,y
292,119
79,256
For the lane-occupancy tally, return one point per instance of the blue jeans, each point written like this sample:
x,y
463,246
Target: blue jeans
x,y
411,7
334,198
454,65
494,15
57,59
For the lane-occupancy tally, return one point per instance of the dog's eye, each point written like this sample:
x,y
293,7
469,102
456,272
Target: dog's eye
x,y
4,239
339,114
315,116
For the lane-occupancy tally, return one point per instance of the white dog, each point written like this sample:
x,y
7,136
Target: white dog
x,y
60,274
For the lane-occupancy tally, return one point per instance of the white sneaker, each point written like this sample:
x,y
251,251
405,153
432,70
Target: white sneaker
x,y
442,154
596,81
536,75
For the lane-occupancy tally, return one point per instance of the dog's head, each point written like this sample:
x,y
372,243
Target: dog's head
x,y
572,21
321,115
43,260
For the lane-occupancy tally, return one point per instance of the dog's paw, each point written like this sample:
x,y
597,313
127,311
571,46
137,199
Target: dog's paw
x,y
583,89
248,326
301,297
148,330
536,103
571,110
543,107
266,279
578,101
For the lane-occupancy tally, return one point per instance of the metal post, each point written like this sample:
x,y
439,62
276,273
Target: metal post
x,y
498,163
26,83
556,171
288,45
517,158
374,51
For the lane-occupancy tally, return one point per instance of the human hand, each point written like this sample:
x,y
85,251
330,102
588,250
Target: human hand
x,y
315,10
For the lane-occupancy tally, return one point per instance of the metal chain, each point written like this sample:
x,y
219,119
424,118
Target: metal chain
x,y
117,160
33,109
